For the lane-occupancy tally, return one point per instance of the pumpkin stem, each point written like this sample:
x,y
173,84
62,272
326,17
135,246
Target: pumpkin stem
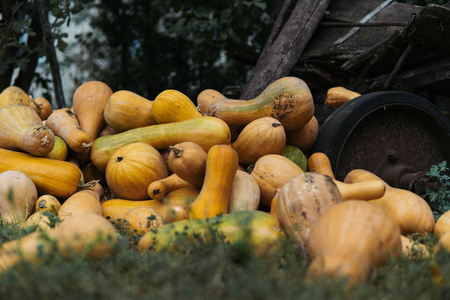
x,y
119,158
177,151
89,184
38,108
249,169
45,141
276,125
86,145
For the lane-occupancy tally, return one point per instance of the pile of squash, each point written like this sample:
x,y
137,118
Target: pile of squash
x,y
165,168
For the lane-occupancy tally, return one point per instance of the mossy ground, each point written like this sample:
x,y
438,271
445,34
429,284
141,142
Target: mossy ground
x,y
215,271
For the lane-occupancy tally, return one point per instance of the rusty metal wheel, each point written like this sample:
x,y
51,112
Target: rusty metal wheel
x,y
396,135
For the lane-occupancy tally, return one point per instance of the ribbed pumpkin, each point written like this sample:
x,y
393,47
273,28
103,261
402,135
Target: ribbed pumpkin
x,y
42,106
271,172
350,239
18,195
173,106
260,137
304,137
126,110
301,201
132,168
21,129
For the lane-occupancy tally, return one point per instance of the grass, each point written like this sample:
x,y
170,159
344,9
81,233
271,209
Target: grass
x,y
216,271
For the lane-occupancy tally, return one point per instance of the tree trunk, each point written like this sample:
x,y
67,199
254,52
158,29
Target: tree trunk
x,y
26,75
286,43
51,56
6,51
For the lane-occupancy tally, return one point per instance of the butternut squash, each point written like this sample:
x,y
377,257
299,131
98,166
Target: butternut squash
x,y
204,131
126,110
173,106
22,129
205,98
337,96
89,102
83,201
14,95
159,188
287,99
271,172
18,195
262,136
301,201
54,177
368,190
188,161
320,163
64,124
350,239
411,212
221,166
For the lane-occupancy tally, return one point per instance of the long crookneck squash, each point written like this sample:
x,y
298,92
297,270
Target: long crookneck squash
x,y
221,166
204,131
287,99
65,124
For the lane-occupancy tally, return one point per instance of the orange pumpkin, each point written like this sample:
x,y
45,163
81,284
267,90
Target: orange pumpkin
x,y
132,168
260,137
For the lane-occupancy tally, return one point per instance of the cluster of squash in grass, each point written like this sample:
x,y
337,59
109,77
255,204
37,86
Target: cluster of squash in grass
x,y
171,167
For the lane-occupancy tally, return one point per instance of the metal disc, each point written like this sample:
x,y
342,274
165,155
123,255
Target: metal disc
x,y
358,134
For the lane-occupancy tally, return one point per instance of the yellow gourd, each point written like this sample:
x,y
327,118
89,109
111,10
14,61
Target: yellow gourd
x,y
221,166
